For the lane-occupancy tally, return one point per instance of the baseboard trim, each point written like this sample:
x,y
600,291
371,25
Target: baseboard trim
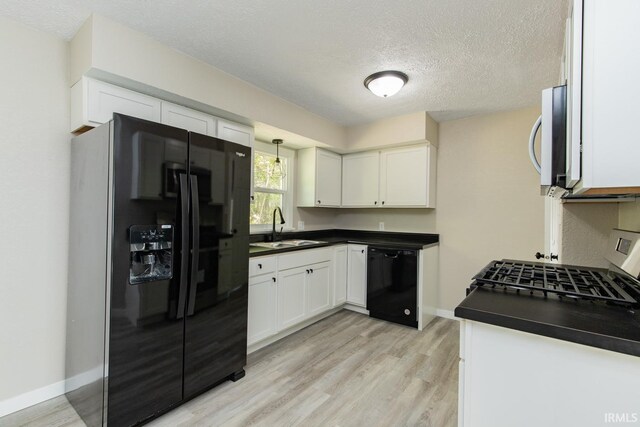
x,y
30,398
356,308
447,314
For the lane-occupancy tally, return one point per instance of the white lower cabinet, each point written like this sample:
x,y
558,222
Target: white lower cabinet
x,y
318,289
291,297
512,378
288,289
339,275
263,316
357,275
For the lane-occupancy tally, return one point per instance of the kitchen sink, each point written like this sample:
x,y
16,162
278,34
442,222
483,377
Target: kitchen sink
x,y
287,244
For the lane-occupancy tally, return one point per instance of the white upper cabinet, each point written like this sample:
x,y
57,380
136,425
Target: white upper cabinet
x,y
402,177
319,178
407,176
602,62
186,118
360,179
610,96
93,103
234,132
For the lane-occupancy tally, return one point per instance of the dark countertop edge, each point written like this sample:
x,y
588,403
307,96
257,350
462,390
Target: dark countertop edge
x,y
591,339
332,237
393,239
255,252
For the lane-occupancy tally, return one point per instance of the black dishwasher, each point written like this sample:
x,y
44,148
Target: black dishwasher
x,y
392,285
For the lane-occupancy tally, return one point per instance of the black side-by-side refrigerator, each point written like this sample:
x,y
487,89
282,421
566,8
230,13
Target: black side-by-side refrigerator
x,y
158,268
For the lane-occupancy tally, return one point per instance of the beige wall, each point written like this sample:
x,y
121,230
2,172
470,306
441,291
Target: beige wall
x,y
409,220
489,206
412,127
34,107
132,59
629,216
585,232
488,202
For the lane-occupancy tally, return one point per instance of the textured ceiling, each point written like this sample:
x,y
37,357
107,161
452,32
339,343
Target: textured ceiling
x,y
463,57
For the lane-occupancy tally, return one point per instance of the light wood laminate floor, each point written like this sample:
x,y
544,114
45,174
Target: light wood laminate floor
x,y
346,370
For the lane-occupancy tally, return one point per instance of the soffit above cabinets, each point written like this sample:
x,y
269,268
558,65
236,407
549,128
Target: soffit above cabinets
x,y
462,57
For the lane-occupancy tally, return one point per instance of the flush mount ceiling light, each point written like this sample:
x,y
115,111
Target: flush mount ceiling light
x,y
386,83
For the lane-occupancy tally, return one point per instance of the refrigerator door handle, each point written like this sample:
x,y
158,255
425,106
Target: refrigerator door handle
x,y
184,263
195,244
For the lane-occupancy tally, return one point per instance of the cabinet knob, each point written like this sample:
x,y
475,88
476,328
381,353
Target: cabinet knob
x,y
311,270
383,202
375,203
307,271
539,255
274,279
319,202
363,251
260,266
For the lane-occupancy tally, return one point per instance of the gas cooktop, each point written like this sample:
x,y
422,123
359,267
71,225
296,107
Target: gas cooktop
x,y
563,280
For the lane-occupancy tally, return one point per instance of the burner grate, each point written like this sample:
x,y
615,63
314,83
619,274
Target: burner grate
x,y
567,281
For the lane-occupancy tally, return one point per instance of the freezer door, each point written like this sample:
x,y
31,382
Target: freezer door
x,y
216,315
148,289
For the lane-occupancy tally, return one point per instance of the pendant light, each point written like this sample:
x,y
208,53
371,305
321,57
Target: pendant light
x,y
386,83
278,169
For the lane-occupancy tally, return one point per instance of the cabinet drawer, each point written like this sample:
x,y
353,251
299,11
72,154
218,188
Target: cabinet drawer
x,y
304,257
262,265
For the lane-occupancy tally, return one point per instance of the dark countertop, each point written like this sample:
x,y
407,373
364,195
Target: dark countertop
x,y
337,236
590,323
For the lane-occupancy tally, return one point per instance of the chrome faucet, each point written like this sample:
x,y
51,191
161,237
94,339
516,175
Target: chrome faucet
x,y
273,228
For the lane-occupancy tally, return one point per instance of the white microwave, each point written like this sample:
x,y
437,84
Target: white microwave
x,y
553,166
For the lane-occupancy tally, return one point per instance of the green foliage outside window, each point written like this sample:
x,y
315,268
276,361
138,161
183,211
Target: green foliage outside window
x,y
269,187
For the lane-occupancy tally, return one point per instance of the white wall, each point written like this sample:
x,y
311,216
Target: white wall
x,y
34,107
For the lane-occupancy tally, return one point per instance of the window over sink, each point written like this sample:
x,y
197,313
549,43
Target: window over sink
x,y
271,188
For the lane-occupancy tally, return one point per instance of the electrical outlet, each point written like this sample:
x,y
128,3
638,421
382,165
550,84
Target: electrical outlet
x,y
300,225
381,226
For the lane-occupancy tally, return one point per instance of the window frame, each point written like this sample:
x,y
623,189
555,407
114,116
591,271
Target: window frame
x,y
287,195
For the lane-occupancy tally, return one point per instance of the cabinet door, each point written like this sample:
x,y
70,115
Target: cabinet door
x,y
104,99
318,288
403,176
340,275
610,93
262,319
186,118
239,134
291,297
357,277
235,132
328,178
360,180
